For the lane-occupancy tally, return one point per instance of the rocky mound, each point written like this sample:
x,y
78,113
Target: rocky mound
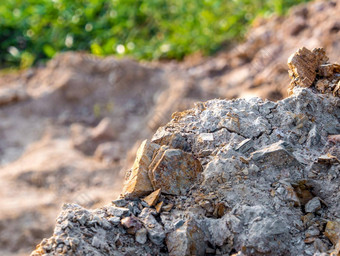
x,y
245,177
67,129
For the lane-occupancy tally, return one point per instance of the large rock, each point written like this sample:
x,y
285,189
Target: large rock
x,y
175,172
138,182
303,65
306,65
161,173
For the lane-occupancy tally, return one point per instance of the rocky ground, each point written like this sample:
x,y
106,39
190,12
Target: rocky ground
x,y
70,130
237,177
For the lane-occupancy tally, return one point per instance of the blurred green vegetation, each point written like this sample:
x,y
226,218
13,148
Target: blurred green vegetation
x,y
35,30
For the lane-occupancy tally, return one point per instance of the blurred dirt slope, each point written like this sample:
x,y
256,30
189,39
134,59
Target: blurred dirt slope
x,y
68,131
258,66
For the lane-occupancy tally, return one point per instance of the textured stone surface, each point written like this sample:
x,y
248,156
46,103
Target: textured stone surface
x,y
138,182
173,141
275,155
313,205
303,65
155,230
186,240
306,65
132,224
333,231
117,211
269,184
175,172
132,95
154,168
152,199
141,236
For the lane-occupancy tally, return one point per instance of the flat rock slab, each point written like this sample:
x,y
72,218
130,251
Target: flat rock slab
x,y
275,155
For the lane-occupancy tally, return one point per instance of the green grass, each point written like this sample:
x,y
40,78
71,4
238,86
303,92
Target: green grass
x,y
32,31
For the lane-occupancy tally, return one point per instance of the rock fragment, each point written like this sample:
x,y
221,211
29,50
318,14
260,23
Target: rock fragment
x,y
265,233
289,194
303,65
312,67
319,245
114,220
117,211
175,172
244,145
155,230
152,199
158,206
326,70
219,232
308,219
175,140
186,240
138,182
322,85
120,202
333,231
336,91
132,224
312,231
141,236
167,207
275,155
328,159
313,205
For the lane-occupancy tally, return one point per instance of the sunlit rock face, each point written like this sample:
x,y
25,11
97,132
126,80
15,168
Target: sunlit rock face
x,y
246,176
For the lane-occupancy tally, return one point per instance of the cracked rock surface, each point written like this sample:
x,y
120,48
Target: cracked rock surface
x,y
239,177
68,127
